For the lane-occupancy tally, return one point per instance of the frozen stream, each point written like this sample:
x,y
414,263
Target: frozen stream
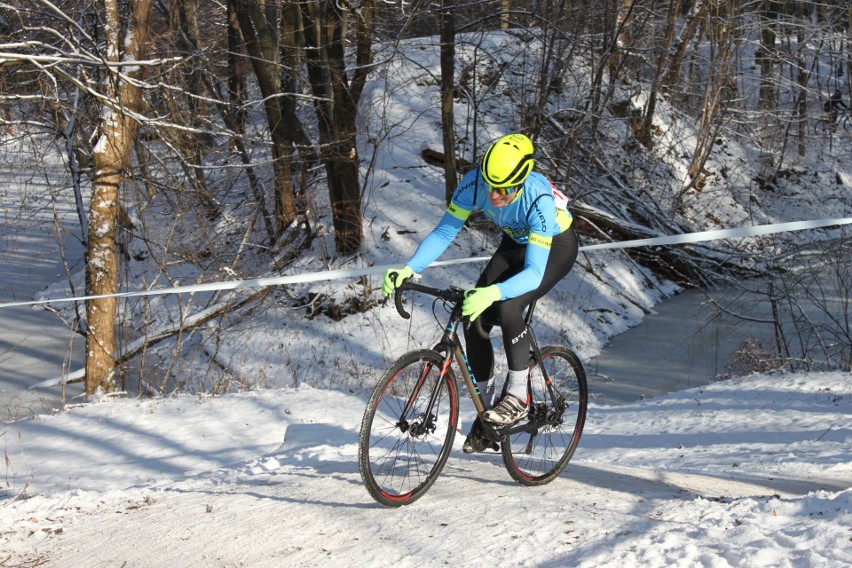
x,y
683,345
34,344
688,341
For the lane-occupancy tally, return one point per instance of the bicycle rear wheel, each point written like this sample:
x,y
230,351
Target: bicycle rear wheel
x,y
539,454
403,445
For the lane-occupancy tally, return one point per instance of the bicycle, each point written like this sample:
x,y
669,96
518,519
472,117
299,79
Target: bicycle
x,y
410,421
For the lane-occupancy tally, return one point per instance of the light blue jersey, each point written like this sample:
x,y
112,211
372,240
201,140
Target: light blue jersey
x,y
536,215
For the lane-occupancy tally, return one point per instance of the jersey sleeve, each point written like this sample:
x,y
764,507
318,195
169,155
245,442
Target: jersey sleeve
x,y
530,277
436,242
439,239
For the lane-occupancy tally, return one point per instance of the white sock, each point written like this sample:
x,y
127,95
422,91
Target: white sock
x,y
516,384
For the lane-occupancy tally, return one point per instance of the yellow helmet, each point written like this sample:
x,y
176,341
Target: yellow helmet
x,y
508,161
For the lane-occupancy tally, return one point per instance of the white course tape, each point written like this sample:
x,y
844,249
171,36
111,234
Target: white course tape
x,y
720,234
703,236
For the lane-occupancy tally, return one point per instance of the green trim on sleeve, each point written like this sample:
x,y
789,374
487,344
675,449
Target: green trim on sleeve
x,y
458,212
540,240
564,219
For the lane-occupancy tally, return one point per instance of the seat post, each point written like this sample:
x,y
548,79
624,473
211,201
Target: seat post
x,y
530,309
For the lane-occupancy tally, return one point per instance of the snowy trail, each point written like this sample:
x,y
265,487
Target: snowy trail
x,y
244,516
748,472
701,485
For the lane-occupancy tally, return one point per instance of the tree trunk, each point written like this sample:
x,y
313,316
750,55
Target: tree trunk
x,y
645,134
196,144
766,56
803,76
260,25
236,71
697,13
111,156
336,104
448,61
505,6
608,69
718,93
292,43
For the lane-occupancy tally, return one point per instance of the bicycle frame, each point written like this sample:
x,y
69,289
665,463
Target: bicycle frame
x,y
401,451
451,347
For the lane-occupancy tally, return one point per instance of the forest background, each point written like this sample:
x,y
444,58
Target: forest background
x,y
224,140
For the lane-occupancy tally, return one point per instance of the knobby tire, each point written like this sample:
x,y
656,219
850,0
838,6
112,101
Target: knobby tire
x,y
536,458
401,453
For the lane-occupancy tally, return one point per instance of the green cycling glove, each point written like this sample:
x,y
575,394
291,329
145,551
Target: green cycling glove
x,y
478,300
390,283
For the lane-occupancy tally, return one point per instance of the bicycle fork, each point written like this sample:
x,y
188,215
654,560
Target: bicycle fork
x,y
426,423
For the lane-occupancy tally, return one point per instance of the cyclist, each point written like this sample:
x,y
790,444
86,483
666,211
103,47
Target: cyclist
x,y
538,248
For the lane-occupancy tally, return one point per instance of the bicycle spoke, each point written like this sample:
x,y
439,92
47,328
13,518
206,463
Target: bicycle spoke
x,y
408,428
538,449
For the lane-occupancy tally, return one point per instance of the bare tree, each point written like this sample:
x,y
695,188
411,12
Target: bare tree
x,y
336,91
717,97
448,95
644,132
696,16
260,24
237,89
111,158
766,55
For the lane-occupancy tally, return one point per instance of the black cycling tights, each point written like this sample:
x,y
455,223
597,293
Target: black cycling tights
x,y
507,261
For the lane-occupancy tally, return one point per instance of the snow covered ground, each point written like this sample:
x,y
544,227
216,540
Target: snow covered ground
x,y
747,472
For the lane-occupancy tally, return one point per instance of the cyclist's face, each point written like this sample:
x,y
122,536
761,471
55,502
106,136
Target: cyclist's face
x,y
499,197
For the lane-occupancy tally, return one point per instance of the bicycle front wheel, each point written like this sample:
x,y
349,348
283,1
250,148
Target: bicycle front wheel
x,y
538,454
408,428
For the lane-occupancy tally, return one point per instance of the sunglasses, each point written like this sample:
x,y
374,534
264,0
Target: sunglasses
x,y
504,191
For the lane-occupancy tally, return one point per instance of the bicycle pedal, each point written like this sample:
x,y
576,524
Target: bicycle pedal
x,y
478,444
